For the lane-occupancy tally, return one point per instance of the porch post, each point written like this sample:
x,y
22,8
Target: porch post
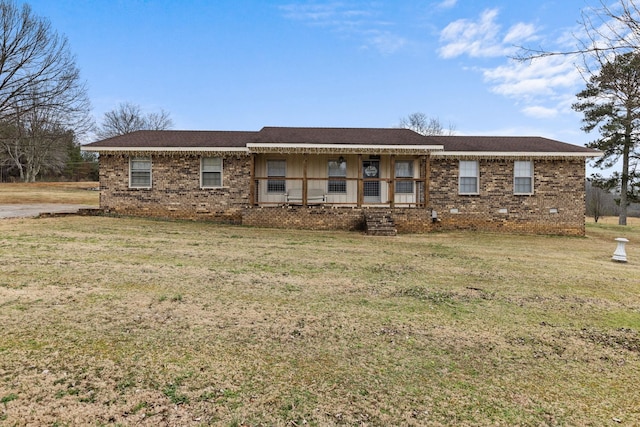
x,y
304,179
427,179
392,182
360,184
252,179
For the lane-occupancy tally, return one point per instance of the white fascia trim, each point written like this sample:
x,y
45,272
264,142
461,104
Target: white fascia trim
x,y
344,146
165,149
513,154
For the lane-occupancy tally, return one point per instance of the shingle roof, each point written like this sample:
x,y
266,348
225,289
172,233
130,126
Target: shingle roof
x,y
355,136
181,140
177,138
512,144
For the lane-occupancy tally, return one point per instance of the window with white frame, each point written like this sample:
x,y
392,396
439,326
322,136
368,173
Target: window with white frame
x,y
468,178
276,173
523,177
140,172
337,169
211,172
404,169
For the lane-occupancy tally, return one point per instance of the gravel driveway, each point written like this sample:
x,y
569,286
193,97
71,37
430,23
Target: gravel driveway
x,y
36,209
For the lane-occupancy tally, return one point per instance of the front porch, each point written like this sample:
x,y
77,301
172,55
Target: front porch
x,y
340,180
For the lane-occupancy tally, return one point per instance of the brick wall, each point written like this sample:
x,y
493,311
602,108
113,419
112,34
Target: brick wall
x,y
410,220
298,217
176,191
407,220
558,186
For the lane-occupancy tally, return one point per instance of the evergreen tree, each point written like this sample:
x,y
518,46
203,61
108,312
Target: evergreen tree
x,y
611,103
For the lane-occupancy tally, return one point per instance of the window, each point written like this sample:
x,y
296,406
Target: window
x,y
211,170
404,169
140,172
276,172
337,169
523,177
468,178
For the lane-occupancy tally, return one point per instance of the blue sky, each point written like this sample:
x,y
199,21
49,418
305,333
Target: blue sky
x,y
245,64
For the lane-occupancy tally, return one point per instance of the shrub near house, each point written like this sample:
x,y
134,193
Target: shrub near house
x,y
340,178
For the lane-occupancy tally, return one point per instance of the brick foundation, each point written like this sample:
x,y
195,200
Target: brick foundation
x,y
313,217
407,220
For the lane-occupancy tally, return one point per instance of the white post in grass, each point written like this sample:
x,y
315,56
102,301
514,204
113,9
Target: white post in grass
x,y
620,255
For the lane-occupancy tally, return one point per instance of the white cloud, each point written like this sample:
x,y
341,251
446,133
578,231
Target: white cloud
x,y
357,22
543,88
481,38
474,38
543,77
540,112
384,41
520,32
323,14
448,4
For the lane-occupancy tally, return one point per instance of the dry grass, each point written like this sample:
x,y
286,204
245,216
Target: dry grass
x,y
140,322
49,192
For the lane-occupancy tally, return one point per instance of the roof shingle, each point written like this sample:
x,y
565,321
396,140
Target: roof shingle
x,y
355,136
528,144
177,138
181,139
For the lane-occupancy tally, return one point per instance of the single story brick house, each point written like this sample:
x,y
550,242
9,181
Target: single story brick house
x,y
379,180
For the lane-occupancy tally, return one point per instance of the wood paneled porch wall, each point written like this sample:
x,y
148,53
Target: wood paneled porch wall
x,y
425,178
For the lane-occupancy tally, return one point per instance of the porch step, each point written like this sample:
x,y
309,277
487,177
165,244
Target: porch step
x,y
380,223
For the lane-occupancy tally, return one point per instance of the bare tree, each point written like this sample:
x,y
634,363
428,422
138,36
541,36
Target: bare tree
x,y
33,57
42,99
125,119
36,142
599,200
425,125
128,117
159,121
609,28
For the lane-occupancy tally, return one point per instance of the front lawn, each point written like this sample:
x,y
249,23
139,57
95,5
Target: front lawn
x,y
126,321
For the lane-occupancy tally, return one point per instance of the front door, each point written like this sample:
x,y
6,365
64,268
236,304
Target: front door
x,y
371,170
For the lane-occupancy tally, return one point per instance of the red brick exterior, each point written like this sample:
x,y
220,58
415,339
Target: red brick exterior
x,y
407,220
559,185
176,193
